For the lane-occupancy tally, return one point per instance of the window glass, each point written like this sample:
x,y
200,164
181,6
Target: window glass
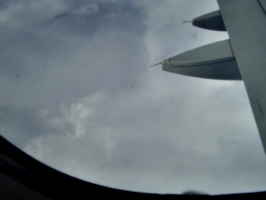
x,y
77,93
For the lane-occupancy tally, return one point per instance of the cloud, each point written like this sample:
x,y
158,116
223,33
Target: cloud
x,y
78,94
99,16
89,9
18,14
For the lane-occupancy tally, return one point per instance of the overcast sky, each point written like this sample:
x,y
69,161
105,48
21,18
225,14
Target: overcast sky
x,y
78,94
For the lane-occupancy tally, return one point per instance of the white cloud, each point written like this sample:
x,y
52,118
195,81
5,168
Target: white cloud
x,y
89,9
78,114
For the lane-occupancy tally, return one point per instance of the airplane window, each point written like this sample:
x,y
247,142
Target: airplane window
x,y
77,93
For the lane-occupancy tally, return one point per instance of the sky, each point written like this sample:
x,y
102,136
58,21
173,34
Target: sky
x,y
77,93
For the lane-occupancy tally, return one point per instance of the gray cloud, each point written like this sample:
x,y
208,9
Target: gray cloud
x,y
95,17
77,94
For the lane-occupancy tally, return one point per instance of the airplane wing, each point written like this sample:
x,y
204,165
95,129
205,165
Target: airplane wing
x,y
245,21
243,56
